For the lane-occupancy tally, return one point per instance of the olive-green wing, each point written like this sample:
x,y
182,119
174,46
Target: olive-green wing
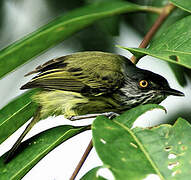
x,y
93,73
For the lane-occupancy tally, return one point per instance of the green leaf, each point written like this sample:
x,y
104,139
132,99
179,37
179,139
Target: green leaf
x,y
137,153
92,175
110,25
183,4
178,71
169,147
15,114
58,30
34,149
173,45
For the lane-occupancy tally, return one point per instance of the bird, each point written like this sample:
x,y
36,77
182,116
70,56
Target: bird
x,y
91,83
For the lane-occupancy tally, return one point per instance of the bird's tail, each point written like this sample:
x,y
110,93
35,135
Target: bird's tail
x,y
12,151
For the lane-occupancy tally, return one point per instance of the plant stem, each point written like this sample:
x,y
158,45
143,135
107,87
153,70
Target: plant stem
x,y
164,14
157,10
82,160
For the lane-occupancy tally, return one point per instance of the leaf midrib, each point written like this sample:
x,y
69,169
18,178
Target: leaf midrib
x,y
15,113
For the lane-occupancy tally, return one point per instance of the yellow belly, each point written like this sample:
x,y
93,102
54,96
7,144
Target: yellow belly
x,y
67,103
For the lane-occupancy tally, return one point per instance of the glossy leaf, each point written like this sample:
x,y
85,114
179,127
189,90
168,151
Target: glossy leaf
x,y
173,45
15,114
137,153
183,4
169,147
59,29
34,149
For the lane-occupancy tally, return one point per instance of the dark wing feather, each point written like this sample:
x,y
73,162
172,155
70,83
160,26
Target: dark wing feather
x,y
51,64
93,73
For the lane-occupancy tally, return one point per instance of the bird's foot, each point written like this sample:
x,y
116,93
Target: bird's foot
x,y
110,115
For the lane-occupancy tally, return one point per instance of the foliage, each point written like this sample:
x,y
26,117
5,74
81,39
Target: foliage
x,y
133,153
161,150
35,148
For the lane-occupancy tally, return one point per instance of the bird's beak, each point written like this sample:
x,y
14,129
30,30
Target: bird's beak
x,y
173,92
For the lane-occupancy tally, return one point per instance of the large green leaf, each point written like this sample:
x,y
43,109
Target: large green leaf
x,y
15,114
137,153
59,29
173,45
34,149
169,148
183,4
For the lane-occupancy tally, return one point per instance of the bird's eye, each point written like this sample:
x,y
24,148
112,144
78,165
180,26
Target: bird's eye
x,y
143,83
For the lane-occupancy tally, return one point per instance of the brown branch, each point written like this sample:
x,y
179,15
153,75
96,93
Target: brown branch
x,y
164,14
85,155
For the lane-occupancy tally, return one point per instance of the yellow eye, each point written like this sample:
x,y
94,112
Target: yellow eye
x,y
143,83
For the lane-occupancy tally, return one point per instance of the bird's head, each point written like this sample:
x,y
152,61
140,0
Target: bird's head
x,y
143,87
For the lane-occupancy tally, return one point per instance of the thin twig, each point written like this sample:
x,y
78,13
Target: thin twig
x,y
82,160
166,11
